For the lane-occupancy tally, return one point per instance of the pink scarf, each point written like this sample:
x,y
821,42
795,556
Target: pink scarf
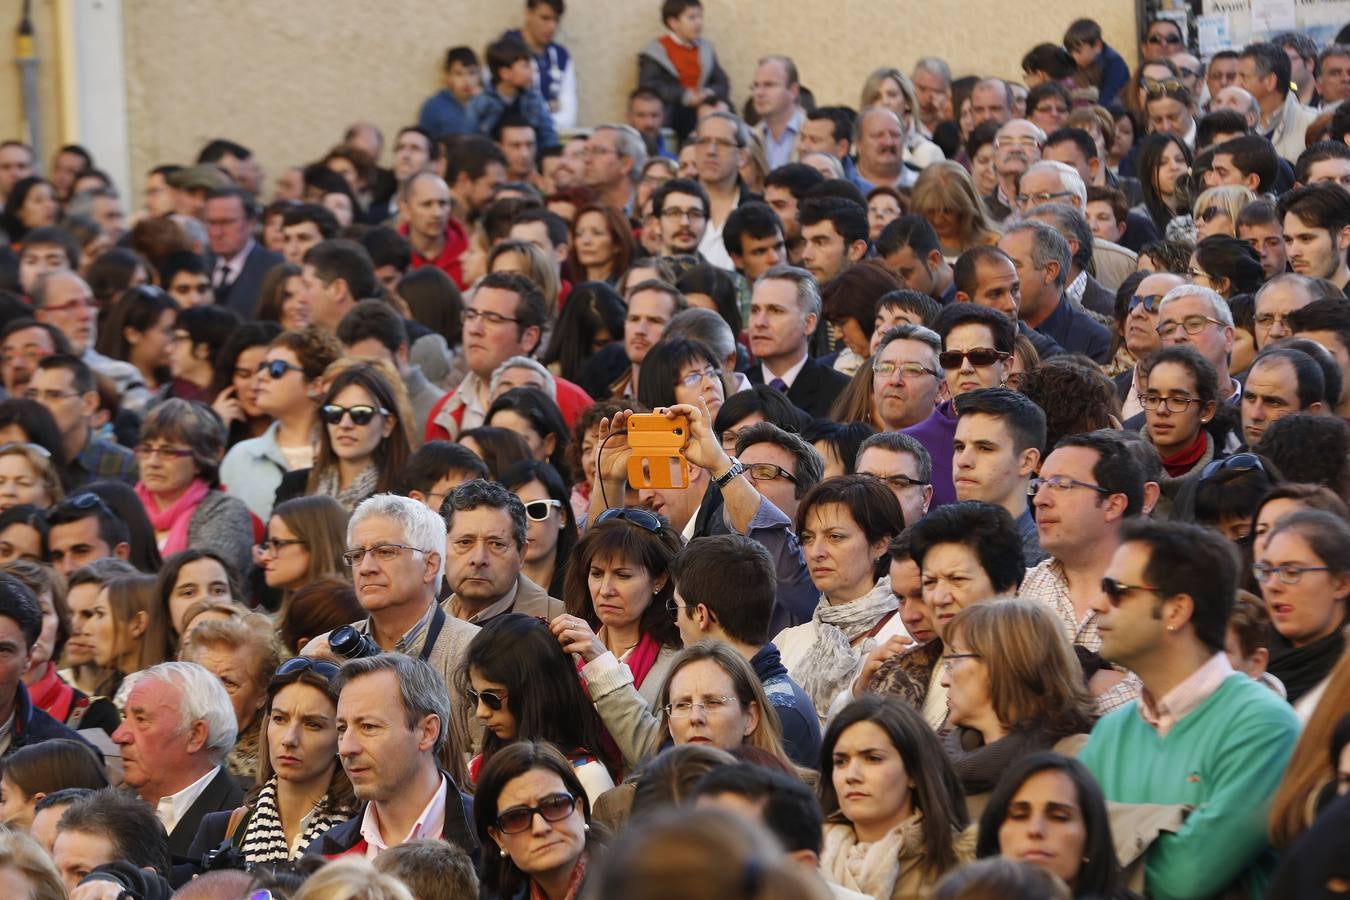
x,y
175,519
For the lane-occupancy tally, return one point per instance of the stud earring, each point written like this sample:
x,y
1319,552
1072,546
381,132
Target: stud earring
x,y
503,852
585,827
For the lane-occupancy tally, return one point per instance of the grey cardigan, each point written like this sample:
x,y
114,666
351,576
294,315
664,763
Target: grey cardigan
x,y
223,524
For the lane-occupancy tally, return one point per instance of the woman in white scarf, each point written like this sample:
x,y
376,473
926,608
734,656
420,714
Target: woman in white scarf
x,y
845,525
894,813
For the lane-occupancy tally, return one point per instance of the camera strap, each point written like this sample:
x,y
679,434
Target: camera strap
x,y
433,632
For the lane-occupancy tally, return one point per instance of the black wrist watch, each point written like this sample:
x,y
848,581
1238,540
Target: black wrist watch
x,y
736,469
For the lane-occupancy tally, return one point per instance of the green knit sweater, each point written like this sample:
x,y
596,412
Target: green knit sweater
x,y
1225,759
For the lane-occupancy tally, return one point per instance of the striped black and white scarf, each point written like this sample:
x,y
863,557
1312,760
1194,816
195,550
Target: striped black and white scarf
x,y
264,839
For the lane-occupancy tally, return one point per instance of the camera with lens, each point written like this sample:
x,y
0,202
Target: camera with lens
x,y
349,643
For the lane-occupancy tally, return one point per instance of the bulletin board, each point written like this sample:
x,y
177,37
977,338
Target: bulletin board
x,y
1231,24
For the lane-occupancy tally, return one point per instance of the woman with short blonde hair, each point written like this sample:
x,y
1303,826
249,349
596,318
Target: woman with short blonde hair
x,y
1216,210
27,475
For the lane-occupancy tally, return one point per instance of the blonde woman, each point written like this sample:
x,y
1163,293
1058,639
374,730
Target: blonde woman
x,y
28,476
946,197
1216,210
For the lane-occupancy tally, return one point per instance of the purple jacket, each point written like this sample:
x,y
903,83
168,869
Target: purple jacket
x,y
936,433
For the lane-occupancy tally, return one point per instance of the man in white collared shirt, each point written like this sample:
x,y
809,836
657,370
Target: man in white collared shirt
x,y
177,768
393,719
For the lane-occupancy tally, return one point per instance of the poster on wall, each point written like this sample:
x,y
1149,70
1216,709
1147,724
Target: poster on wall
x,y
1231,24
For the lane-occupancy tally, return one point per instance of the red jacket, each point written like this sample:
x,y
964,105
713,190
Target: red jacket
x,y
456,242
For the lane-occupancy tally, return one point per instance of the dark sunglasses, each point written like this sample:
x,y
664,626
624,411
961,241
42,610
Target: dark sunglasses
x,y
554,808
639,517
1151,302
83,502
491,699
1164,39
1115,591
277,368
1238,462
1211,213
538,510
980,357
361,414
320,667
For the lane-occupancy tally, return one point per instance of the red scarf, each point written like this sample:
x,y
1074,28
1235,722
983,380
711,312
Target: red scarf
x,y
1182,462
573,883
52,695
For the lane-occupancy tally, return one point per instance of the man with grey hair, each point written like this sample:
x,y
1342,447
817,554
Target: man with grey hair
x,y
522,371
1239,101
1042,258
179,723
396,550
784,313
485,553
902,462
1051,182
879,136
63,300
1198,316
102,206
912,396
615,155
1017,145
1083,290
932,79
1276,300
402,756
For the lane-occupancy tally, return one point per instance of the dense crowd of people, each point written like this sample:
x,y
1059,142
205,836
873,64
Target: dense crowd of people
x,y
1007,552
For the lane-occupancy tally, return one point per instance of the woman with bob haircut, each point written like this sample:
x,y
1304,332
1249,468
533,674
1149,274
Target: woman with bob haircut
x,y
712,696
36,770
946,197
364,442
1047,810
1014,686
895,818
303,541
301,790
523,688
532,807
617,590
849,303
530,413
189,577
845,526
181,444
28,477
682,370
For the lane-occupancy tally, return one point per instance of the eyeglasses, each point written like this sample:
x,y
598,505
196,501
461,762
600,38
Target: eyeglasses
x,y
1238,462
1061,484
685,708
554,808
768,472
953,657
1016,141
639,517
492,318
1167,86
1115,591
1160,39
538,510
72,306
1198,273
146,451
906,370
897,482
493,700
1173,404
1152,303
1188,73
361,414
719,143
49,396
696,377
307,664
1289,573
1210,213
1042,197
674,608
273,545
693,215
980,357
1191,325
277,368
382,552
1268,320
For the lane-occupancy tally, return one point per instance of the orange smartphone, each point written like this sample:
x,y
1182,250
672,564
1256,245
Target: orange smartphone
x,y
656,460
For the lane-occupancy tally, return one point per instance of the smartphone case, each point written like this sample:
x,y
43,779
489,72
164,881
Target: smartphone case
x,y
656,460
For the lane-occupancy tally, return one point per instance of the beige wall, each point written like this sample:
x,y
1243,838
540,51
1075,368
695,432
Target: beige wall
x,y
285,78
11,94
